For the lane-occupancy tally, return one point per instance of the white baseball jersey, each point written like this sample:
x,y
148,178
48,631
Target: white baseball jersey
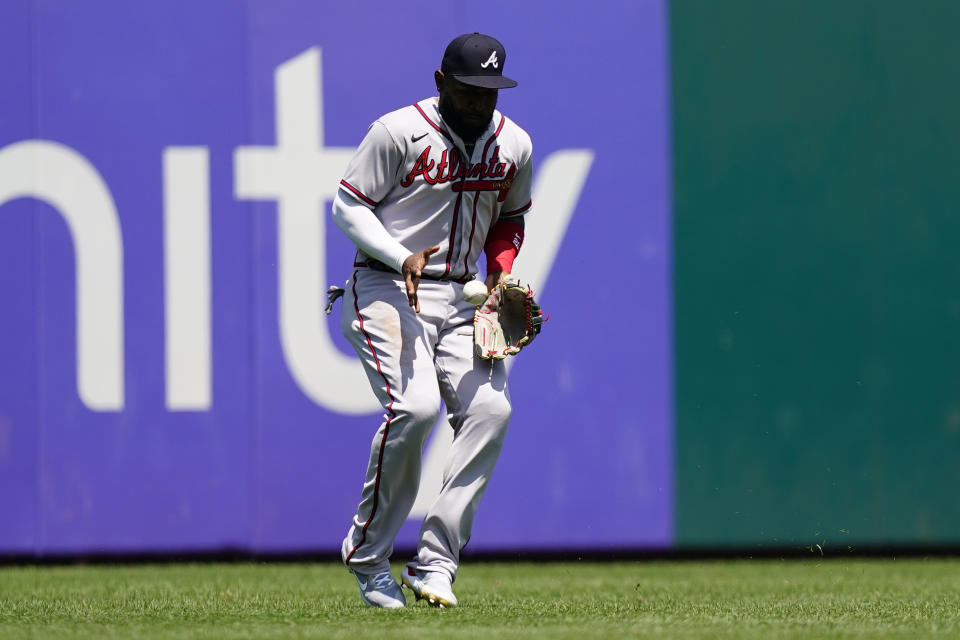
x,y
411,171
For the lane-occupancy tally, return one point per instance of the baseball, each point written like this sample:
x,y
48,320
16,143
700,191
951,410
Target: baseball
x,y
475,292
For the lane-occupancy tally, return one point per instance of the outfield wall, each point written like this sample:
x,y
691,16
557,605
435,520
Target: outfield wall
x,y
167,377
744,232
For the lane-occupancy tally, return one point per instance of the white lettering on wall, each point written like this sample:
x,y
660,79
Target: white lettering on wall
x,y
556,191
64,179
302,176
186,259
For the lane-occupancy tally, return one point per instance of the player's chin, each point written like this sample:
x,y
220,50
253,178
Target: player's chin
x,y
475,127
484,120
476,119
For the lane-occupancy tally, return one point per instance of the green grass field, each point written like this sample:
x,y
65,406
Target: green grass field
x,y
657,599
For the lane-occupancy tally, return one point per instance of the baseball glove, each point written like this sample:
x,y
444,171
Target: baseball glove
x,y
508,321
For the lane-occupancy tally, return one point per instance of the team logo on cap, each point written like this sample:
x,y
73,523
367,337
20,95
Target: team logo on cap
x,y
492,60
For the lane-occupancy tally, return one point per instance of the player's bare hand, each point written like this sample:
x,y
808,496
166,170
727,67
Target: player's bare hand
x,y
412,270
495,278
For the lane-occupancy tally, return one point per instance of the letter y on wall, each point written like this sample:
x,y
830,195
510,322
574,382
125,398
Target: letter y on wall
x,y
555,193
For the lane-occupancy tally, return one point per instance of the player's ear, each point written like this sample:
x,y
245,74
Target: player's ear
x,y
438,78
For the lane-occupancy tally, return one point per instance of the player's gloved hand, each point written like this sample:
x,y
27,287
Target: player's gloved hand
x,y
508,321
412,269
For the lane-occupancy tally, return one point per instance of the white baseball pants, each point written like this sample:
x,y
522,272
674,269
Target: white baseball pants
x,y
413,361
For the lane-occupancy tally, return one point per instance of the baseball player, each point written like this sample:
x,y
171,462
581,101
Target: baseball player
x,y
432,186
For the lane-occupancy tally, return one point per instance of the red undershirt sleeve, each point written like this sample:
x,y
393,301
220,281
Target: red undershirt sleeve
x,y
503,244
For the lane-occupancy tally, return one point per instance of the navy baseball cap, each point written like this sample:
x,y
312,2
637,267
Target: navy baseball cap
x,y
477,60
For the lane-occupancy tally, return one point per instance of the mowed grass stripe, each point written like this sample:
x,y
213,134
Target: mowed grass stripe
x,y
687,599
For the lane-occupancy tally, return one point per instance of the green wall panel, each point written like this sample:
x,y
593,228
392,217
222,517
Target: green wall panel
x,y
817,243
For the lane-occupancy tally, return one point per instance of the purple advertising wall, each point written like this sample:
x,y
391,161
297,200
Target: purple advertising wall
x,y
168,379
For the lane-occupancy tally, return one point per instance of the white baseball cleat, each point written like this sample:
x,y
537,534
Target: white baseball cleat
x,y
380,590
432,586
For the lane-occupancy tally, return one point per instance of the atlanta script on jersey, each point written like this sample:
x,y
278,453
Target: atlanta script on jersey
x,y
412,170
